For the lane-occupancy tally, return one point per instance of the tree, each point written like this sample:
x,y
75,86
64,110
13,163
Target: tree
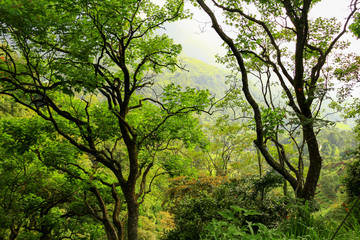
x,y
60,56
279,40
37,201
228,141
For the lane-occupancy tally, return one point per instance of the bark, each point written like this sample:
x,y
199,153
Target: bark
x,y
133,219
117,208
132,211
313,174
129,190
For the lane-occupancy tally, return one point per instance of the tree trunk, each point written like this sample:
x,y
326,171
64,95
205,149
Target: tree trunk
x,y
313,173
259,161
133,220
133,212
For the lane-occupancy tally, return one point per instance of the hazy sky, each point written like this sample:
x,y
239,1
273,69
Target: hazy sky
x,y
200,41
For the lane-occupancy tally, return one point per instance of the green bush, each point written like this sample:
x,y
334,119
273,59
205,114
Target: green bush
x,y
191,217
352,186
352,179
193,214
302,223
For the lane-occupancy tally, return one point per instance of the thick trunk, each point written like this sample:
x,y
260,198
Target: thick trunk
x,y
130,195
133,212
313,173
133,220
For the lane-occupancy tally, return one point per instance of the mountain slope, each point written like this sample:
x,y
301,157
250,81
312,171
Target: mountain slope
x,y
198,75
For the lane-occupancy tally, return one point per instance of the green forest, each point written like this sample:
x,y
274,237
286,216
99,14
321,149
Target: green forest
x,y
109,131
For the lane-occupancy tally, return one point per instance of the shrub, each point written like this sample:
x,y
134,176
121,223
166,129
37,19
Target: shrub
x,y
352,179
193,213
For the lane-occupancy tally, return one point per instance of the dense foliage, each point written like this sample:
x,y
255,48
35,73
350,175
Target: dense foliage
x,y
198,202
103,135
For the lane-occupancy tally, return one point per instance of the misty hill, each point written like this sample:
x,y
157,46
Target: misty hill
x,y
197,74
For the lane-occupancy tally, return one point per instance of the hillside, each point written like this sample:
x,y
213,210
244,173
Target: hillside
x,y
197,74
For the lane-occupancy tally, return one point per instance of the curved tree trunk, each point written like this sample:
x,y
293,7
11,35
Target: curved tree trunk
x,y
299,102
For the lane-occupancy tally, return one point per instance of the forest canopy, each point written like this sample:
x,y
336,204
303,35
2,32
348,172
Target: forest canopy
x,y
106,133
